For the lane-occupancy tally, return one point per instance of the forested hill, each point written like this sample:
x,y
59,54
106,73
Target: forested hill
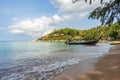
x,y
108,33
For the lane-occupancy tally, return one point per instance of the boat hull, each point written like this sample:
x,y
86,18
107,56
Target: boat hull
x,y
83,43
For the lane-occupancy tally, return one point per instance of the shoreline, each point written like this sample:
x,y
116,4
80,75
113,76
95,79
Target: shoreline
x,y
106,67
100,41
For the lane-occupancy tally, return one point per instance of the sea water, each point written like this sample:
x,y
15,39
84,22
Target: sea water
x,y
43,60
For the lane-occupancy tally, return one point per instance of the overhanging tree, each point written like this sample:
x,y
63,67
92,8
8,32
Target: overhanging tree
x,y
107,13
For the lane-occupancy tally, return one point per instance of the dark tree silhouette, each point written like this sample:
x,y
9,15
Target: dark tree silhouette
x,y
107,13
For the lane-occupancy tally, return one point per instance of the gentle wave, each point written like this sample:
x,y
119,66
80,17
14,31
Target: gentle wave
x,y
45,63
39,72
42,72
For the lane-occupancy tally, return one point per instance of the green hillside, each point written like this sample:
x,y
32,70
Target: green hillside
x,y
108,32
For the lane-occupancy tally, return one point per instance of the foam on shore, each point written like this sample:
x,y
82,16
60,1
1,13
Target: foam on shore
x,y
40,72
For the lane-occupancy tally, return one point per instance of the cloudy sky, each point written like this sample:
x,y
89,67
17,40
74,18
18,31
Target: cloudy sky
x,y
25,20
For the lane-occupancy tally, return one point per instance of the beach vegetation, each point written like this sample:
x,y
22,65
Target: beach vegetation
x,y
108,33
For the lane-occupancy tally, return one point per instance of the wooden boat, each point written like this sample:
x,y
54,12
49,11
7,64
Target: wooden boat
x,y
90,42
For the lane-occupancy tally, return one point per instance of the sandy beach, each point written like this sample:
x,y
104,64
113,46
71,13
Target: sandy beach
x,y
106,67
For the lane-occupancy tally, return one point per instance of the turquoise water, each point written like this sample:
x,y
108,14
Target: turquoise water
x,y
19,59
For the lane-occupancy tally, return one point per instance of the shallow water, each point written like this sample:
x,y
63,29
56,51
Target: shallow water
x,y
42,60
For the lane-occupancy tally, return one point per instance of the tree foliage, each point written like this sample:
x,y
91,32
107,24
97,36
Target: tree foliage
x,y
107,32
108,12
61,34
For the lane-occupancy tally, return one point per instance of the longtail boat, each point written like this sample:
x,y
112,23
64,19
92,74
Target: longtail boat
x,y
90,42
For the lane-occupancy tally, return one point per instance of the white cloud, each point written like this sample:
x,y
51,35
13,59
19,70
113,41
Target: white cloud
x,y
58,19
17,31
43,25
37,27
78,9
66,16
14,19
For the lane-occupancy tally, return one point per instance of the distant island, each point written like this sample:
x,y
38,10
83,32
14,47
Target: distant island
x,y
108,32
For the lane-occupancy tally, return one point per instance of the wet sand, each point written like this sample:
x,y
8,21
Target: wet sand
x,y
106,67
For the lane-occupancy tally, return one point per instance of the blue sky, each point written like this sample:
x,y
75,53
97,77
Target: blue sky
x,y
25,20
